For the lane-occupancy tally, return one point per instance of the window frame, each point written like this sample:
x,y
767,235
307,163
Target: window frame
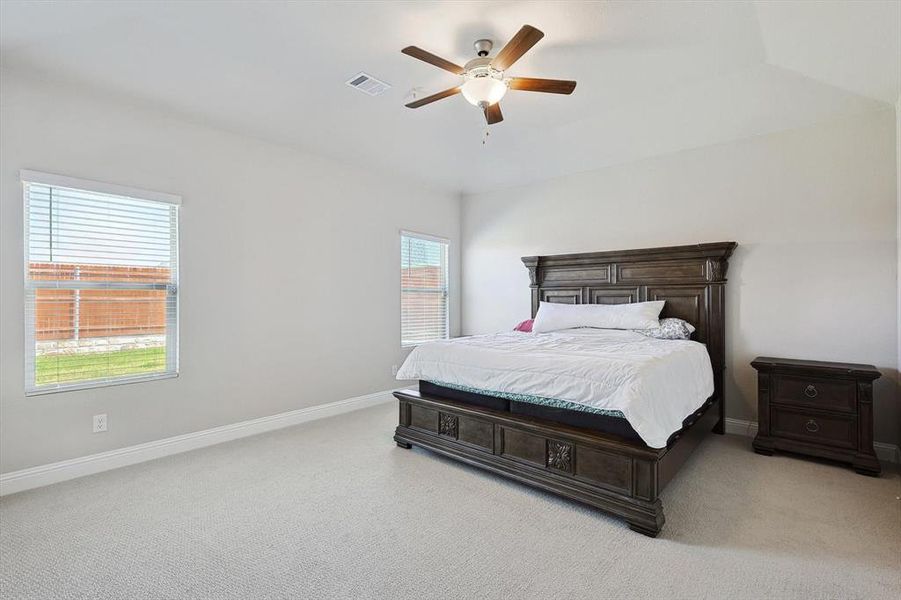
x,y
404,233
30,286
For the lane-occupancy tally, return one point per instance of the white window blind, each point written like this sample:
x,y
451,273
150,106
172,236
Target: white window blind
x,y
101,284
423,298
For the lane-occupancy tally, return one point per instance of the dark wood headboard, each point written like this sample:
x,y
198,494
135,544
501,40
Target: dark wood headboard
x,y
690,278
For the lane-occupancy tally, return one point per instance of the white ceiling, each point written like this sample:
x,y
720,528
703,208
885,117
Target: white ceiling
x,y
653,77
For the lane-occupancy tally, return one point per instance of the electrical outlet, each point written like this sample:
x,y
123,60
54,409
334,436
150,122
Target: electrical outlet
x,y
99,423
394,369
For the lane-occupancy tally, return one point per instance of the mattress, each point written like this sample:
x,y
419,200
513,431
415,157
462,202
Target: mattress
x,y
612,424
652,384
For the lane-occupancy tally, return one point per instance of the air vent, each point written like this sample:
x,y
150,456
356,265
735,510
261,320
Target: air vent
x,y
368,84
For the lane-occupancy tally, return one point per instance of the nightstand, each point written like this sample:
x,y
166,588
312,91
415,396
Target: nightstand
x,y
817,408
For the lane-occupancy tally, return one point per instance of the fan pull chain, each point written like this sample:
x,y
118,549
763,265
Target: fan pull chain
x,y
485,138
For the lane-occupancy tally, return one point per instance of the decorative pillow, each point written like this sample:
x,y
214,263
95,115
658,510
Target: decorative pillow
x,y
669,329
639,315
525,326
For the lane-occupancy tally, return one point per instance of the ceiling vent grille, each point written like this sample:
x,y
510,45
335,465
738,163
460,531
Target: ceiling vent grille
x,y
368,84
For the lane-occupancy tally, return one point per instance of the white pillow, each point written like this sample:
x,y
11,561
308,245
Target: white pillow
x,y
638,315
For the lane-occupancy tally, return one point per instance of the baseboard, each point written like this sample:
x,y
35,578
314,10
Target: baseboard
x,y
26,479
886,452
741,427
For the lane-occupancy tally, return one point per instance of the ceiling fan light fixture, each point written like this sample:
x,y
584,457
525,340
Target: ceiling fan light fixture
x,y
484,83
484,91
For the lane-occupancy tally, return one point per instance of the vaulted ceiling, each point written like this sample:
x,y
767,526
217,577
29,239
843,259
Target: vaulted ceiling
x,y
653,77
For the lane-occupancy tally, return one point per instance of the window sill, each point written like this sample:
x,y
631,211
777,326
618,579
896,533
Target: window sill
x,y
414,344
74,387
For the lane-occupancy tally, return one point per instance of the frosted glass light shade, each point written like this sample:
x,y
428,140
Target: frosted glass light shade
x,y
484,89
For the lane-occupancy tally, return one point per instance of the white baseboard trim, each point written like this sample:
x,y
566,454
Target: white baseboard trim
x,y
890,453
741,427
886,452
26,479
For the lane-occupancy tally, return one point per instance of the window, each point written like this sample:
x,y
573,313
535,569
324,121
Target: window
x,y
101,284
423,289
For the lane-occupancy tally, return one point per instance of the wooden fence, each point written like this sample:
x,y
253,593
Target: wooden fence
x,y
66,314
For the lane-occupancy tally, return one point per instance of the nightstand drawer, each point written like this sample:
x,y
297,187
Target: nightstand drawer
x,y
834,430
829,394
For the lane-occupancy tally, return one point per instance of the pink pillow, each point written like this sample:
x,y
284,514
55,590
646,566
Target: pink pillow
x,y
525,326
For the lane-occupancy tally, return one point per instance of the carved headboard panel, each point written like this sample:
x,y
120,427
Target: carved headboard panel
x,y
690,279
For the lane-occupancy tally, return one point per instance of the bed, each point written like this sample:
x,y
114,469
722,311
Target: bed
x,y
512,403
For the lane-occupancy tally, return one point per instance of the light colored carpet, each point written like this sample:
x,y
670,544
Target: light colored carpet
x,y
333,509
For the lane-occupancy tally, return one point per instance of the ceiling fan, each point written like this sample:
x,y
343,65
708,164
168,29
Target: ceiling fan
x,y
484,83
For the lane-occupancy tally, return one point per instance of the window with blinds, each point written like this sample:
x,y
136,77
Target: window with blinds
x,y
101,284
423,295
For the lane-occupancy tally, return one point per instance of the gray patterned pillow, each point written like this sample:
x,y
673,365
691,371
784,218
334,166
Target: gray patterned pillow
x,y
670,329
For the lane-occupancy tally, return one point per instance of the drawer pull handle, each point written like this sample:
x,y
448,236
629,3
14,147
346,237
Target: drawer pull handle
x,y
810,391
811,426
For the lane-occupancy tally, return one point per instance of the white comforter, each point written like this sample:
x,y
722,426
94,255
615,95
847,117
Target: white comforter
x,y
654,383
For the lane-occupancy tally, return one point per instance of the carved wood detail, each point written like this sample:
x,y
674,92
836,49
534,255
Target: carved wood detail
x,y
447,425
560,455
716,269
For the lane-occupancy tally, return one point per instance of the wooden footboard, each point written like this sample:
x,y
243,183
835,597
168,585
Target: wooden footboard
x,y
617,476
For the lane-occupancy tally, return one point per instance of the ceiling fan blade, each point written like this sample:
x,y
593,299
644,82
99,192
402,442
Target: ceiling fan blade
x,y
550,86
433,60
493,114
434,97
524,39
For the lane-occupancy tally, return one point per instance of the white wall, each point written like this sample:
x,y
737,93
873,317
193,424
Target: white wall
x,y
265,228
813,211
289,271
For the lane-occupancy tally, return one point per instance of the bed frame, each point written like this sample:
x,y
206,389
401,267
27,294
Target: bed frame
x,y
616,475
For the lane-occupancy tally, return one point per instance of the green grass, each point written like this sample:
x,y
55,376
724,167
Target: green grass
x,y
65,368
